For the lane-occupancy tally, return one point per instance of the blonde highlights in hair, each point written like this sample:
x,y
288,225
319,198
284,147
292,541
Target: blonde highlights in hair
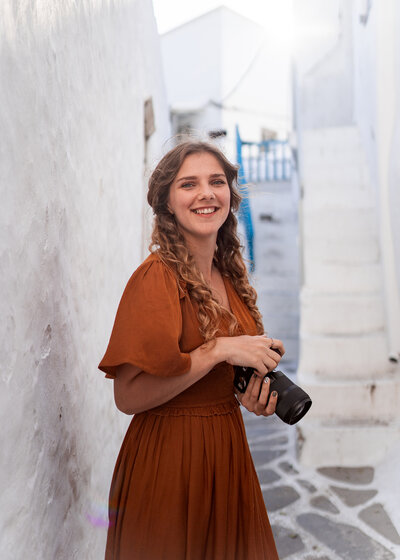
x,y
169,243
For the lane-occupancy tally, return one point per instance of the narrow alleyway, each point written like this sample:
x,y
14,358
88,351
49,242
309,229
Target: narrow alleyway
x,y
277,268
316,514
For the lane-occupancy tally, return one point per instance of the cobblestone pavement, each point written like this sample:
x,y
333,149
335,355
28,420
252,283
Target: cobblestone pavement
x,y
329,513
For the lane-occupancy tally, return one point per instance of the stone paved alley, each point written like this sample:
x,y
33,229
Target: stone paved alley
x,y
329,513
318,514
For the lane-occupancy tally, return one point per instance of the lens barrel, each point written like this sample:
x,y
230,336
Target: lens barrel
x,y
293,403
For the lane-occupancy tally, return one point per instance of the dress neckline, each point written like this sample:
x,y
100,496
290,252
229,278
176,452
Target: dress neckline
x,y
227,284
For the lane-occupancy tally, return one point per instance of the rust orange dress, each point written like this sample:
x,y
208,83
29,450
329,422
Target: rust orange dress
x,y
184,485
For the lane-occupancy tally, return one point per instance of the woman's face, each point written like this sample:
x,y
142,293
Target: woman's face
x,y
200,197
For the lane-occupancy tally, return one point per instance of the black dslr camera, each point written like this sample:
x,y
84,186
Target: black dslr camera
x,y
293,403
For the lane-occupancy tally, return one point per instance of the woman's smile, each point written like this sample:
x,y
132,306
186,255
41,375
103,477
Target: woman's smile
x,y
205,211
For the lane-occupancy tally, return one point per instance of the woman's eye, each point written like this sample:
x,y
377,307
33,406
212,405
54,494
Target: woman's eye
x,y
219,182
187,185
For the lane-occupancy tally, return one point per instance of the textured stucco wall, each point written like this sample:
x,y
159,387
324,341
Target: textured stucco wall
x,y
324,61
394,164
195,48
74,76
388,120
377,114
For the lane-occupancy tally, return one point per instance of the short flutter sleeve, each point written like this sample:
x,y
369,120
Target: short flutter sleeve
x,y
148,324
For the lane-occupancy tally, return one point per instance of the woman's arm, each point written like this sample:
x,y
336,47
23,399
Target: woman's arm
x,y
136,391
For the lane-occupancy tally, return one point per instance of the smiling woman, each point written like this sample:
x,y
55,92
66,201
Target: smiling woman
x,y
184,486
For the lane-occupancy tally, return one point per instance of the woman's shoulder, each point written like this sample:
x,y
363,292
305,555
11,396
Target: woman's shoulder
x,y
153,273
153,261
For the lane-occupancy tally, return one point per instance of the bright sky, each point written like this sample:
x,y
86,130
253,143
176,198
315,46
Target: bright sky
x,y
274,15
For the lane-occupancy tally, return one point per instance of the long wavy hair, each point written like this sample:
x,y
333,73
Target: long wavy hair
x,y
168,242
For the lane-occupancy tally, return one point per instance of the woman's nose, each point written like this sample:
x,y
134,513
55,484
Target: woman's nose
x,y
206,191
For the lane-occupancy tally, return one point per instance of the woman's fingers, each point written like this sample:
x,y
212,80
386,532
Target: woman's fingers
x,y
278,345
271,406
255,388
259,352
271,360
266,402
250,396
245,350
263,398
257,396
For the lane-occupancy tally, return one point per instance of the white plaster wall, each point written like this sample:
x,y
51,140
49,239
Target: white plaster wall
x,y
200,122
192,61
256,90
316,31
388,119
241,41
224,69
376,47
74,77
394,160
365,91
324,60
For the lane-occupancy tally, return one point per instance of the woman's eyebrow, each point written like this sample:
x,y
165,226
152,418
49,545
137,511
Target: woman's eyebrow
x,y
194,177
187,178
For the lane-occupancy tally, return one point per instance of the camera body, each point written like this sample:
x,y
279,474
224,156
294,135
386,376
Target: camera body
x,y
293,403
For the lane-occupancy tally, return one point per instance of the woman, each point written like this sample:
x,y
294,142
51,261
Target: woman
x,y
184,486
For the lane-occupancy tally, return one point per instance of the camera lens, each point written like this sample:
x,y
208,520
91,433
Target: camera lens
x,y
293,403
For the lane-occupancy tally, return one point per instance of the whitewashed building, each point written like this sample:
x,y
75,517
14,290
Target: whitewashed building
x,y
222,69
348,133
74,81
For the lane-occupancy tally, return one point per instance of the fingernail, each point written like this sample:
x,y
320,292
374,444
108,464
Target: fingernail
x,y
255,375
274,393
266,379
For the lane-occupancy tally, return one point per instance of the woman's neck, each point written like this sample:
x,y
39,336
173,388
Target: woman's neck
x,y
205,265
203,254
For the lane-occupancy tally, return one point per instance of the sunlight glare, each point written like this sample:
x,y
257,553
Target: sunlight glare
x,y
275,17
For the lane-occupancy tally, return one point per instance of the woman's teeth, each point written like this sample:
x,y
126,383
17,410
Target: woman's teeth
x,y
204,211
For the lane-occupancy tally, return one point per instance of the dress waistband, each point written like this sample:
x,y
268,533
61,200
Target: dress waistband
x,y
211,409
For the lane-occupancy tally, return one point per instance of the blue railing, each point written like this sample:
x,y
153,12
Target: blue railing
x,y
244,209
259,162
269,160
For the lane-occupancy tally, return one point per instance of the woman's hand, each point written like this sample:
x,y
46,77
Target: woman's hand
x,y
255,398
259,352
